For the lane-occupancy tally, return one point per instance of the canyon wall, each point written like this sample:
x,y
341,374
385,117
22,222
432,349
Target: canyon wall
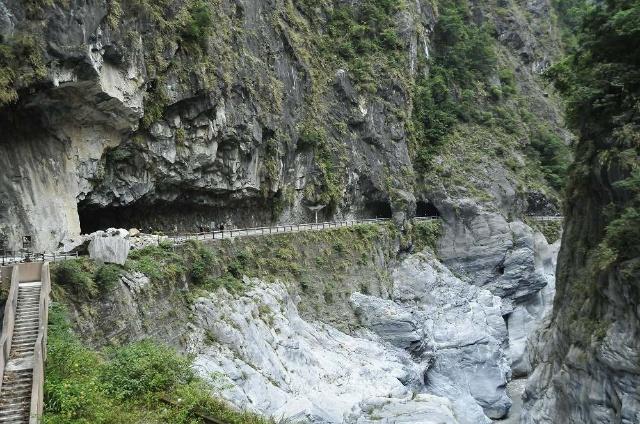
x,y
171,115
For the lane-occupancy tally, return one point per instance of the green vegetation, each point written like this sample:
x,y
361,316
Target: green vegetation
x,y
338,261
124,384
225,263
425,234
552,230
570,13
364,37
600,80
458,70
468,104
21,64
80,277
327,187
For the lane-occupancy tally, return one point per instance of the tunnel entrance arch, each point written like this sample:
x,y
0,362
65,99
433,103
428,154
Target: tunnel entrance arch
x,y
426,209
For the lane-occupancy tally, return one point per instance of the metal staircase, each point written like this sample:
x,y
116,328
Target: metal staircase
x,y
23,344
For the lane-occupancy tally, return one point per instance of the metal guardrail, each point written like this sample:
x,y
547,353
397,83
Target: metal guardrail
x,y
8,257
546,217
256,231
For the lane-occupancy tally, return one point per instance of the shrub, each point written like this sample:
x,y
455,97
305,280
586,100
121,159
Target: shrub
x,y
426,234
197,26
107,275
144,367
75,275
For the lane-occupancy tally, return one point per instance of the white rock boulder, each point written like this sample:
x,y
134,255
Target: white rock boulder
x,y
109,248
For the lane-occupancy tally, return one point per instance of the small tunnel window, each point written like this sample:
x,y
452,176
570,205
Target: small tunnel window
x,y
426,209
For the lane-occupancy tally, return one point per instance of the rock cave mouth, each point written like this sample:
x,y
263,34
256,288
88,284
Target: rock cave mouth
x,y
175,217
378,209
424,209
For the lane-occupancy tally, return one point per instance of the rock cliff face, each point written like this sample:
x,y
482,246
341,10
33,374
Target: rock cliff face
x,y
127,112
587,357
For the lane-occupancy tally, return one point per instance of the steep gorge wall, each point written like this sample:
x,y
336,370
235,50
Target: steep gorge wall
x,y
168,115
587,357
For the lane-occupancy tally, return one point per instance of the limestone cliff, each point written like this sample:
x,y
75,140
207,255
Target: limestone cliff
x,y
176,113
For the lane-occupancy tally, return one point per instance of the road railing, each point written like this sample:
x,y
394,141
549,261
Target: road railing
x,y
276,229
8,257
546,217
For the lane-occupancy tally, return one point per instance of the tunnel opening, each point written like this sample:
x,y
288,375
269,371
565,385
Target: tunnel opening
x,y
176,217
378,209
426,209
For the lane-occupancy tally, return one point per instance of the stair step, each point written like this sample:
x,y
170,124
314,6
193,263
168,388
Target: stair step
x,y
18,392
16,405
15,419
28,311
26,338
17,387
17,409
19,384
22,344
21,351
28,330
17,338
25,321
19,404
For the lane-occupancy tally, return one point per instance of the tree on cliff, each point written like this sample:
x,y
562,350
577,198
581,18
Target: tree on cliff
x,y
601,81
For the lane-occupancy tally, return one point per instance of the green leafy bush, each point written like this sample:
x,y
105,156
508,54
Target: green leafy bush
x,y
76,276
426,234
463,62
197,26
144,367
552,154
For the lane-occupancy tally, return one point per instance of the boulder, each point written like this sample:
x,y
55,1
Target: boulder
x,y
400,326
109,249
262,354
421,409
134,232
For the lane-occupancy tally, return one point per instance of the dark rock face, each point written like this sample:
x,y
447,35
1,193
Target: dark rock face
x,y
588,355
129,126
215,149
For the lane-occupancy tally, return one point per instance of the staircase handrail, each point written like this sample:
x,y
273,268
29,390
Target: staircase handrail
x,y
40,348
8,322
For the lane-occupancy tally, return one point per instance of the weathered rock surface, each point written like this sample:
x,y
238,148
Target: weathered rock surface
x,y
495,254
469,337
528,315
422,408
266,358
221,144
109,247
437,335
